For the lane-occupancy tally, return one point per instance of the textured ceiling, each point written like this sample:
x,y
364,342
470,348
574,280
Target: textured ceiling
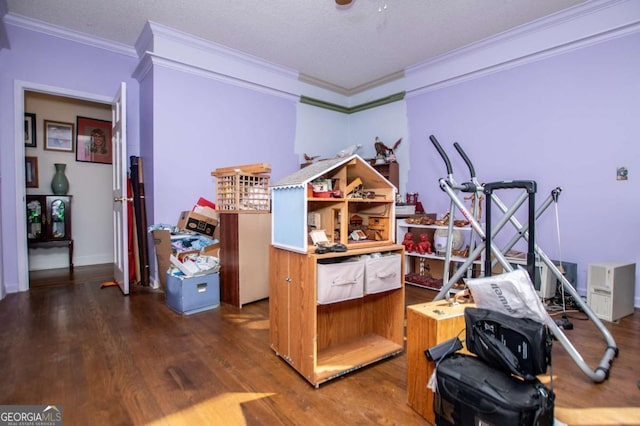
x,y
347,47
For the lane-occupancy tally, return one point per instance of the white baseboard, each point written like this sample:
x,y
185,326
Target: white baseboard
x,y
53,258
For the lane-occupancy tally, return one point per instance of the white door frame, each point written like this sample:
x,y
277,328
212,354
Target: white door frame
x,y
21,222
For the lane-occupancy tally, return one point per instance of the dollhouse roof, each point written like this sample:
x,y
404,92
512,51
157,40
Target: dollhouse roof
x,y
322,167
312,171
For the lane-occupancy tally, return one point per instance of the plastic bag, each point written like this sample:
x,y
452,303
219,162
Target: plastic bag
x,y
511,293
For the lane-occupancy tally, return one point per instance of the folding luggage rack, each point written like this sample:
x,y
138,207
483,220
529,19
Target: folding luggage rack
x,y
494,255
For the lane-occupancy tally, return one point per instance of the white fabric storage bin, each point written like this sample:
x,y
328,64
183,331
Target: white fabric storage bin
x,y
382,273
340,281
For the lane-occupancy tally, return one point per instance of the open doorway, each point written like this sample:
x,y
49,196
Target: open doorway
x,y
89,176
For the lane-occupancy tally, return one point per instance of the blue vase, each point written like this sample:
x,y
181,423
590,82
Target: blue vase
x,y
60,183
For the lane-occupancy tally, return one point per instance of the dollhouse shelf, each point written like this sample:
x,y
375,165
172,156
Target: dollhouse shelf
x,y
333,313
296,211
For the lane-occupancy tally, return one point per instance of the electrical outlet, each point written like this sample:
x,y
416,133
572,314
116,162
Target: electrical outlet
x,y
622,173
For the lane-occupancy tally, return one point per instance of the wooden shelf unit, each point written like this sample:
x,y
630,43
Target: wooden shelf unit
x,y
434,260
329,317
323,342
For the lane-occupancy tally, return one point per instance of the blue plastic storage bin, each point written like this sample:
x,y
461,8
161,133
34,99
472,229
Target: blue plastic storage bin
x,y
190,295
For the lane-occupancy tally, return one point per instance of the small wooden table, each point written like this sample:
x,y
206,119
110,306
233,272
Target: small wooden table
x,y
427,325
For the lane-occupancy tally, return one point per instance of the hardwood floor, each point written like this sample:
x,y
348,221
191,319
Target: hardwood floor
x,y
110,359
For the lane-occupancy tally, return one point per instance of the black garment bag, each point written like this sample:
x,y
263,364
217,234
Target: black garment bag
x,y
469,392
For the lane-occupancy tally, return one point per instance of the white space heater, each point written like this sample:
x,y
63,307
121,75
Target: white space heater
x,y
611,289
546,281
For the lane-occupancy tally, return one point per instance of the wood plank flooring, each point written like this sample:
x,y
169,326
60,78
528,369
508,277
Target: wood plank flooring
x,y
110,359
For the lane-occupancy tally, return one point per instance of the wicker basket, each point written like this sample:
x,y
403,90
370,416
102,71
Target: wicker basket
x,y
243,189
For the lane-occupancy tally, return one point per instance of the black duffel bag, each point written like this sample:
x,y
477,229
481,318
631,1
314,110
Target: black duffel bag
x,y
469,392
518,346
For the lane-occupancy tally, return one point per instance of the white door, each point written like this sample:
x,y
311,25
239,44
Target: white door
x,y
120,200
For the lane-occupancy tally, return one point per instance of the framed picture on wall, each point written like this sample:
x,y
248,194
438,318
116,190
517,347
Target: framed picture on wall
x,y
29,130
31,171
58,136
93,140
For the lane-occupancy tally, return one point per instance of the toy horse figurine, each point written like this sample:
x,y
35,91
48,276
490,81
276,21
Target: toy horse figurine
x,y
384,151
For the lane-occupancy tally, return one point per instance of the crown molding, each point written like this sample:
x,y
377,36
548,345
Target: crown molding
x,y
351,110
589,23
67,34
353,91
304,78
180,50
150,60
377,83
4,37
577,27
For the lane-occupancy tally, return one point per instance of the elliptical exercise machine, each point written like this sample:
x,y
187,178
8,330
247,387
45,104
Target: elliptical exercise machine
x,y
481,240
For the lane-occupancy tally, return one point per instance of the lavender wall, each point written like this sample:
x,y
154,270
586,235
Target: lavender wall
x,y
56,63
566,121
200,124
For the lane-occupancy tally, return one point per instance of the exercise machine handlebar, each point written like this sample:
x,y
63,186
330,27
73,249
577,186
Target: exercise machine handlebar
x,y
465,186
466,159
527,185
442,154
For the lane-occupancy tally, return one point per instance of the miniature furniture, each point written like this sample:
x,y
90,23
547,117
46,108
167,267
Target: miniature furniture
x,y
333,313
49,222
390,171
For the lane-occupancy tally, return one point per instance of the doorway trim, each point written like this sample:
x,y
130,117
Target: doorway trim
x,y
21,222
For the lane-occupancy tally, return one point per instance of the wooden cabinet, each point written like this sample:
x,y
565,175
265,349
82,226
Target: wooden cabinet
x,y
427,325
391,171
325,341
244,257
49,222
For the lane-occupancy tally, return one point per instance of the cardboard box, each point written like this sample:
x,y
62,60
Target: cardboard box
x,y
164,250
162,244
190,295
200,224
211,250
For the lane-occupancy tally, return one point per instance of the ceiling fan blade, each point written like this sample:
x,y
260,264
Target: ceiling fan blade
x,y
343,2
